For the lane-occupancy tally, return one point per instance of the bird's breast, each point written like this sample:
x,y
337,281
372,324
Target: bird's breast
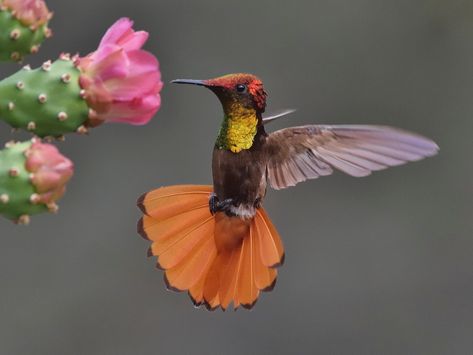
x,y
240,177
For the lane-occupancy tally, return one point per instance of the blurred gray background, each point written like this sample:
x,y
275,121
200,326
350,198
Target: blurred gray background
x,y
380,265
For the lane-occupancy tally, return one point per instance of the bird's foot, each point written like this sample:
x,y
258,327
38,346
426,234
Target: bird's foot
x,y
213,200
215,205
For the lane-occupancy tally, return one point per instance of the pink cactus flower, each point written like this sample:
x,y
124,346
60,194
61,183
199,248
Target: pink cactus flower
x,y
50,171
122,82
33,13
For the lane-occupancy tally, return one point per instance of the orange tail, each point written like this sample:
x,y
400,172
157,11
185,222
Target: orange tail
x,y
216,258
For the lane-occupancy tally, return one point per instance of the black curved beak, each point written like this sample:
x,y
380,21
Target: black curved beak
x,y
190,81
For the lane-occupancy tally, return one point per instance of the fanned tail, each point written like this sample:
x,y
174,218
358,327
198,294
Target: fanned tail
x,y
216,258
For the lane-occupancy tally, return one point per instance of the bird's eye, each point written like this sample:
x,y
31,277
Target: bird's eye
x,y
241,87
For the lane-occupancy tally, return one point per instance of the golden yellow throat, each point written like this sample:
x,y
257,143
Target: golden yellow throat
x,y
238,129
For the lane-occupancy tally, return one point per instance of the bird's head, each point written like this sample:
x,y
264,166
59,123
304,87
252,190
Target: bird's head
x,y
235,91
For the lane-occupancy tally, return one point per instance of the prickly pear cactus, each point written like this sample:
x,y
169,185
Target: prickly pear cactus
x,y
32,177
16,189
47,101
17,38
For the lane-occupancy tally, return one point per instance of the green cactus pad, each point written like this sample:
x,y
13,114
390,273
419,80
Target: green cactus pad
x,y
18,40
47,101
15,186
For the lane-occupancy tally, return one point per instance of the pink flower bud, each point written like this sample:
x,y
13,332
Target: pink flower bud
x,y
50,171
29,12
122,82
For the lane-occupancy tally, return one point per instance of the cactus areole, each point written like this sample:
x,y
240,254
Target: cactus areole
x,y
47,101
33,177
24,27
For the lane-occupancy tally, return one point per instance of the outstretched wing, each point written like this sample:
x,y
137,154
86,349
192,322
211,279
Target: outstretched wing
x,y
307,152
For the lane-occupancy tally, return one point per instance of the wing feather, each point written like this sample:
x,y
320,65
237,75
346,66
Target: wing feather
x,y
300,153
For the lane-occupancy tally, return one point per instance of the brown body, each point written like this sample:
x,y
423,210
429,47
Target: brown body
x,y
242,176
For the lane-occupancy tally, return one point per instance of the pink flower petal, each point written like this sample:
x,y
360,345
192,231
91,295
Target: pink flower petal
x,y
143,77
119,29
134,41
142,62
137,112
131,87
122,81
114,65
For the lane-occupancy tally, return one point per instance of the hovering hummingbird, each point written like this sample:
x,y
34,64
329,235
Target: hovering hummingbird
x,y
217,242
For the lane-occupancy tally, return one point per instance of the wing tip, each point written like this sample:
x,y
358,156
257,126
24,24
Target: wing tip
x,y
435,148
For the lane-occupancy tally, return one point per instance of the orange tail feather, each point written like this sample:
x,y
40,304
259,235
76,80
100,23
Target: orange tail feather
x,y
217,259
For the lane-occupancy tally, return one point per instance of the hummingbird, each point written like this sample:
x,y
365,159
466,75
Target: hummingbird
x,y
216,241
